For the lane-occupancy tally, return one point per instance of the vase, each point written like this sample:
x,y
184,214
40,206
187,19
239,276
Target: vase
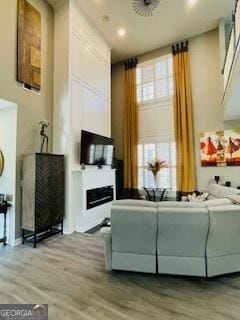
x,y
155,176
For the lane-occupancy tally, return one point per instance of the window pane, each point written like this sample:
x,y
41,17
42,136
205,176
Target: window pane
x,y
174,178
161,69
161,88
140,178
163,151
139,75
147,73
139,93
149,180
170,86
173,154
148,91
170,66
149,153
140,155
164,179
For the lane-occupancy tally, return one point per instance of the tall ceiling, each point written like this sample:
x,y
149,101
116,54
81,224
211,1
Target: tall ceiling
x,y
173,21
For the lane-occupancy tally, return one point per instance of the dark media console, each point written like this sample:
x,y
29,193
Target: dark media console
x,y
99,196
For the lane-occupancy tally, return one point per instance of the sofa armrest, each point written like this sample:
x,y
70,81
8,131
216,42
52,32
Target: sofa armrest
x,y
106,234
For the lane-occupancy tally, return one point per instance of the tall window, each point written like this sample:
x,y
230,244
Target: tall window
x,y
156,131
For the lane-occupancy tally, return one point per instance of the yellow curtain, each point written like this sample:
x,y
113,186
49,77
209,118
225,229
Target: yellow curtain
x,y
183,120
130,126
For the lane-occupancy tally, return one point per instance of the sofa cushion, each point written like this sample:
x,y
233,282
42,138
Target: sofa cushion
x,y
225,192
134,229
211,197
213,189
230,208
135,203
217,202
178,204
221,191
182,232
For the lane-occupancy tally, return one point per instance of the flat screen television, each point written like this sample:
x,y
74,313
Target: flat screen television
x,y
96,150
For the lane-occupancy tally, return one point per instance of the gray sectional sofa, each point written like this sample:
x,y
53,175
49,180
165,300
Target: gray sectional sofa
x,y
181,238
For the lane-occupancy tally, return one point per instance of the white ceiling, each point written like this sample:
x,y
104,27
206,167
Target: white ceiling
x,y
173,21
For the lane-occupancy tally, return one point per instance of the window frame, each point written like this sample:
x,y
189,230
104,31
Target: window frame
x,y
163,100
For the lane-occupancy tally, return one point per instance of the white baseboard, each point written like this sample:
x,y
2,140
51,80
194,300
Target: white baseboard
x,y
68,232
17,242
89,227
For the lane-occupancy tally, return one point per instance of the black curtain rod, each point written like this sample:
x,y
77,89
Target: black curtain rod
x,y
131,63
180,47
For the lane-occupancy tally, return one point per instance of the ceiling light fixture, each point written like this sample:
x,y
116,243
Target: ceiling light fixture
x,y
121,32
145,8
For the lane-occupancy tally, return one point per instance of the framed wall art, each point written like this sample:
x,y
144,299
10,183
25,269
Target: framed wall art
x,y
1,163
29,46
220,148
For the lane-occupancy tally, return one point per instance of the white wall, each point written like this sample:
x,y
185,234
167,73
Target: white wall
x,y
8,145
61,79
207,89
90,80
81,80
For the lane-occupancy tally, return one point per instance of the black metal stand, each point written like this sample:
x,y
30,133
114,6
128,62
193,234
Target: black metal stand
x,y
44,140
151,194
36,237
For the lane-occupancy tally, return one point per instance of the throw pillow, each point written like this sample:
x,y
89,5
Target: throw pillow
x,y
200,198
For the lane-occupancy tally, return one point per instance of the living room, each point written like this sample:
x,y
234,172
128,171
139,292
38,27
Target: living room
x,y
119,159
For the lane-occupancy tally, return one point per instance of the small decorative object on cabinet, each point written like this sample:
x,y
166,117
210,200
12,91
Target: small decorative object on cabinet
x,y
44,138
42,196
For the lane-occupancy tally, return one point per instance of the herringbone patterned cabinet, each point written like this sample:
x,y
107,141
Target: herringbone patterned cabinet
x,y
42,195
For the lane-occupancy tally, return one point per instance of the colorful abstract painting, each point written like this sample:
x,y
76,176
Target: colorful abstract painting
x,y
220,148
29,45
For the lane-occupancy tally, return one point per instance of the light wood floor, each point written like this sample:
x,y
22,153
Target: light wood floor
x,y
68,274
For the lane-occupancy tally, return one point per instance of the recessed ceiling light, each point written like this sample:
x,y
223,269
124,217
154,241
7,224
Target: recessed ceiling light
x,y
121,32
191,3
